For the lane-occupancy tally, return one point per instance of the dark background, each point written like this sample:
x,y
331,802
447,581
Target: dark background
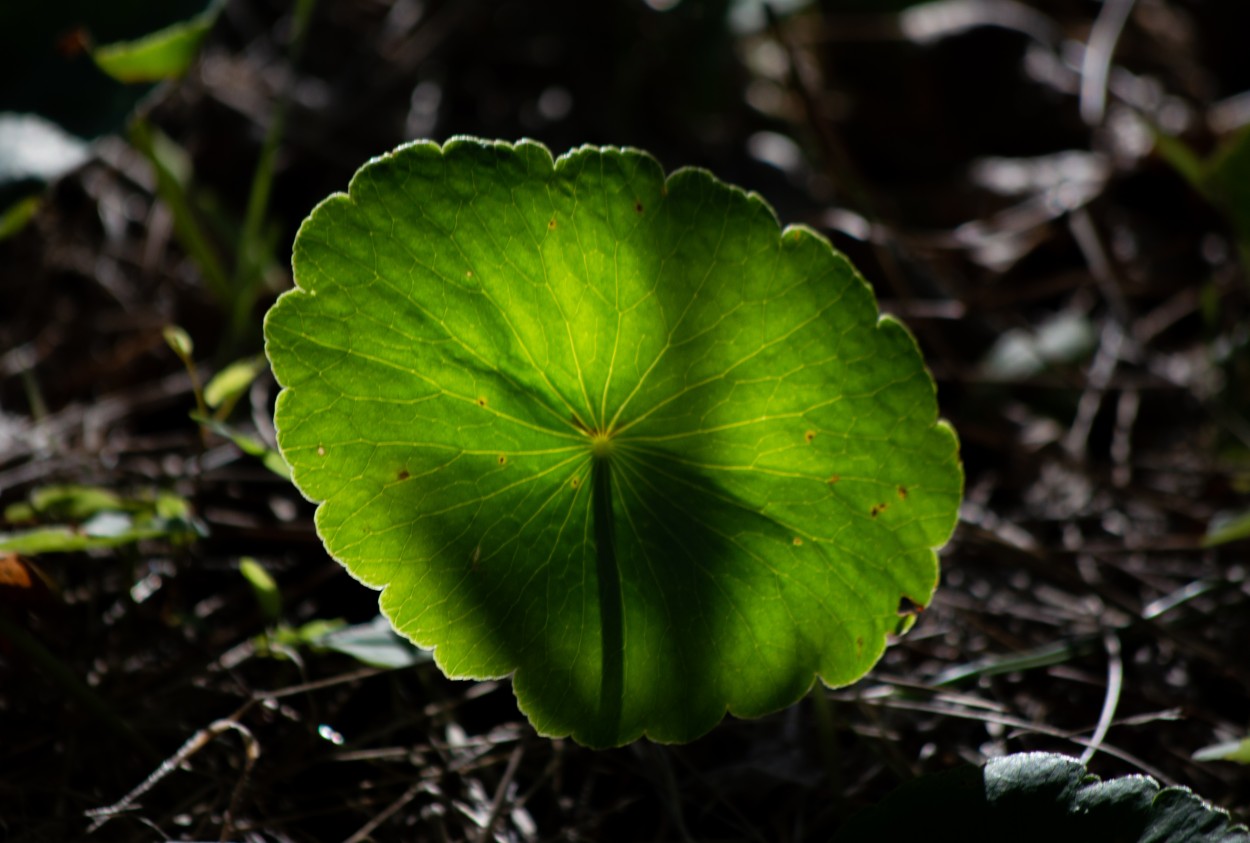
x,y
1092,475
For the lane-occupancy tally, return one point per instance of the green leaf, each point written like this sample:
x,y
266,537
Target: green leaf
x,y
1039,797
52,540
102,519
180,341
264,588
374,643
279,642
15,217
248,444
1223,178
74,502
1228,181
232,381
48,66
615,434
1227,527
1183,159
163,54
1238,751
108,529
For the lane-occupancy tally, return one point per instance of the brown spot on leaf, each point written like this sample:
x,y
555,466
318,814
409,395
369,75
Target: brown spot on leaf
x,y
902,493
878,508
502,459
859,645
481,402
551,224
403,474
575,482
637,206
833,479
798,542
809,435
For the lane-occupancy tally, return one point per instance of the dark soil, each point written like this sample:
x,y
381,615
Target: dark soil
x,y
964,177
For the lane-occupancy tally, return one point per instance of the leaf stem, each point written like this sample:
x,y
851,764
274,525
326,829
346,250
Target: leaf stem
x,y
612,679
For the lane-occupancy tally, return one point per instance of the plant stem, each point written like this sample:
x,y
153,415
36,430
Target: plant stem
x,y
188,229
612,680
827,732
249,263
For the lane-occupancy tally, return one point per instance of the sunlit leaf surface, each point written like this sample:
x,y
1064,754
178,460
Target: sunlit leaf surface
x,y
616,434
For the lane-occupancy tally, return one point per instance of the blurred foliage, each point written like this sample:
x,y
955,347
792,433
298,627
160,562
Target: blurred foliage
x,y
264,588
98,517
158,55
1223,178
1236,751
75,70
1054,548
47,63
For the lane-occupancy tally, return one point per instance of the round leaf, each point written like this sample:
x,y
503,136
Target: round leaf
x,y
615,434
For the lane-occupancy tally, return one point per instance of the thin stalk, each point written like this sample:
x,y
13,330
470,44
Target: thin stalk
x,y
612,680
188,229
249,263
1115,679
830,754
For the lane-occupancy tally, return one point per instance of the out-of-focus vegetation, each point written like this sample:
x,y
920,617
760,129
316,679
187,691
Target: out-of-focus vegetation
x,y
1005,172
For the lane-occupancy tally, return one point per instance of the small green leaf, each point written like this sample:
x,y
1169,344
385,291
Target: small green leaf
x,y
276,464
158,55
278,642
1223,178
264,588
50,540
101,517
1039,797
374,643
20,513
73,502
615,434
1227,527
232,381
1183,159
1238,751
248,444
172,507
49,77
112,529
1228,181
180,341
14,218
